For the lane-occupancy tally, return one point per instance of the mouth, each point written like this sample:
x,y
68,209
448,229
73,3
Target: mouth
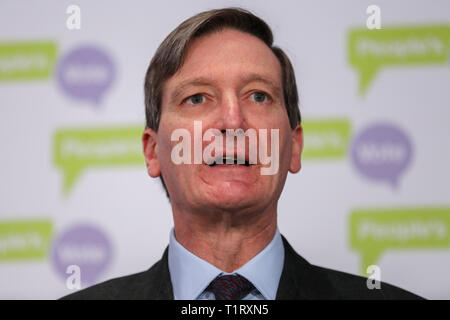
x,y
229,161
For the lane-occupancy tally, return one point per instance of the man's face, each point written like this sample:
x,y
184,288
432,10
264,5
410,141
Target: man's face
x,y
229,80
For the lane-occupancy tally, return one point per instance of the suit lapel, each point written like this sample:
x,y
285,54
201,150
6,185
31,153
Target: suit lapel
x,y
301,280
158,280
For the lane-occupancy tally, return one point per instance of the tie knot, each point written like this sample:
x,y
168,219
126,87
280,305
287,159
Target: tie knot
x,y
230,287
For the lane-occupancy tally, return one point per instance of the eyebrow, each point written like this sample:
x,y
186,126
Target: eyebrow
x,y
205,81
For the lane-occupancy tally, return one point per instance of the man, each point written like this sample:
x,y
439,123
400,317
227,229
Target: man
x,y
220,70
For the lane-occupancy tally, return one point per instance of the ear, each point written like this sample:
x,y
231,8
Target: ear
x,y
150,148
297,147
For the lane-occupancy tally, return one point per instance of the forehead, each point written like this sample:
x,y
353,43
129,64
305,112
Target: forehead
x,y
227,56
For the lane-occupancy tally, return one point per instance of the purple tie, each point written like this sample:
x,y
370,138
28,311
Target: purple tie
x,y
230,287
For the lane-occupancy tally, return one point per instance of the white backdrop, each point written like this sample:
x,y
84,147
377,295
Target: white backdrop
x,y
125,213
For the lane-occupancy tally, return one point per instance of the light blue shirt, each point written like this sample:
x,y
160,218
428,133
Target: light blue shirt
x,y
190,275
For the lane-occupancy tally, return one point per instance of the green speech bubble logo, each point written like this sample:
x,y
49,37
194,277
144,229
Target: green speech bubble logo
x,y
371,50
27,239
75,150
326,138
27,60
374,231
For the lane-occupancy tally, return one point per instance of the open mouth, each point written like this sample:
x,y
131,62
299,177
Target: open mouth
x,y
229,161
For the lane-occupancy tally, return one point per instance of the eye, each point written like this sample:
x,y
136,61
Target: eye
x,y
195,99
258,97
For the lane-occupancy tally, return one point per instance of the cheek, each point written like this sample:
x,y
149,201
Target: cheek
x,y
165,146
281,122
286,152
284,149
164,149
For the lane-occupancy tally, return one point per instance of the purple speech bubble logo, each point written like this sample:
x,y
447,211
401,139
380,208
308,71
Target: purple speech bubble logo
x,y
84,246
86,73
382,152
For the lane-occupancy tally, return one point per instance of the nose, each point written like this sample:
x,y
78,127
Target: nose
x,y
231,113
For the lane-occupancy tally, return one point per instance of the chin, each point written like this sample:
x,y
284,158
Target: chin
x,y
235,196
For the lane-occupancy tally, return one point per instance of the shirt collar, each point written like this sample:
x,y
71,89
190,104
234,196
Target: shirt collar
x,y
190,275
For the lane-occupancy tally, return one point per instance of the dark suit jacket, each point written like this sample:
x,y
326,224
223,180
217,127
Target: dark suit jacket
x,y
299,280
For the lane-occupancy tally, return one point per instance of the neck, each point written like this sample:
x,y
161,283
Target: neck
x,y
226,239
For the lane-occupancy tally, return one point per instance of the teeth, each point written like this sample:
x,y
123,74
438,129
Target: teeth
x,y
229,161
